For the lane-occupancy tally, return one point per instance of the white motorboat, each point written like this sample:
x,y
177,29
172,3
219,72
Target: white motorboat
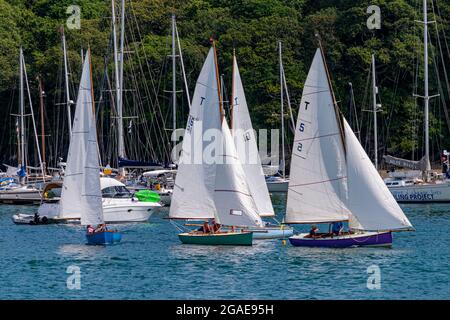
x,y
119,206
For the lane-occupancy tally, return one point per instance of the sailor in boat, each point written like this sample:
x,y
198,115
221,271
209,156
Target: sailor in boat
x,y
209,229
215,228
101,228
205,228
336,228
38,220
90,229
314,232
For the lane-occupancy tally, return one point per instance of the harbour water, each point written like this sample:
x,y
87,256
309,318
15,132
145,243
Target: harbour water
x,y
151,263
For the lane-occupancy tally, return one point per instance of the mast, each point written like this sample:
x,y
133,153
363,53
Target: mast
x,y
426,94
282,113
232,91
121,144
174,78
222,114
41,103
374,97
66,80
338,113
22,111
32,118
117,82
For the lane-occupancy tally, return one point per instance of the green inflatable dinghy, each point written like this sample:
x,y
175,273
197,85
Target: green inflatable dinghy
x,y
147,196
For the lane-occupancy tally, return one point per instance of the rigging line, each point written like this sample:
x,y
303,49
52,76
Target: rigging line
x,y
439,84
38,148
156,102
155,124
443,30
444,69
147,128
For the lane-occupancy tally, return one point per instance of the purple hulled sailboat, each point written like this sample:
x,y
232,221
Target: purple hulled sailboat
x,y
332,179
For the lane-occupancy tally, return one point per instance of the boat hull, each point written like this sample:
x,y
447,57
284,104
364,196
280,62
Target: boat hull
x,y
218,239
272,232
103,238
366,239
20,195
426,193
114,210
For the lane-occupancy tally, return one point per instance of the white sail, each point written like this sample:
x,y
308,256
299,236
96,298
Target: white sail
x,y
91,196
234,202
369,200
193,194
247,149
317,187
72,185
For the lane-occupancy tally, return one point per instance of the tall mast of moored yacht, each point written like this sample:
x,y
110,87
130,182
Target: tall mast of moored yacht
x,y
282,112
121,143
41,104
426,94
374,97
38,149
117,81
66,81
22,112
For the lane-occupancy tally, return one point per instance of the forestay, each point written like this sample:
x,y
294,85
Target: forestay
x,y
72,186
245,142
317,187
233,199
193,194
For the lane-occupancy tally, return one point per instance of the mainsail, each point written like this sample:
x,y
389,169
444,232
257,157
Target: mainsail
x,y
193,194
317,187
245,141
369,200
72,186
